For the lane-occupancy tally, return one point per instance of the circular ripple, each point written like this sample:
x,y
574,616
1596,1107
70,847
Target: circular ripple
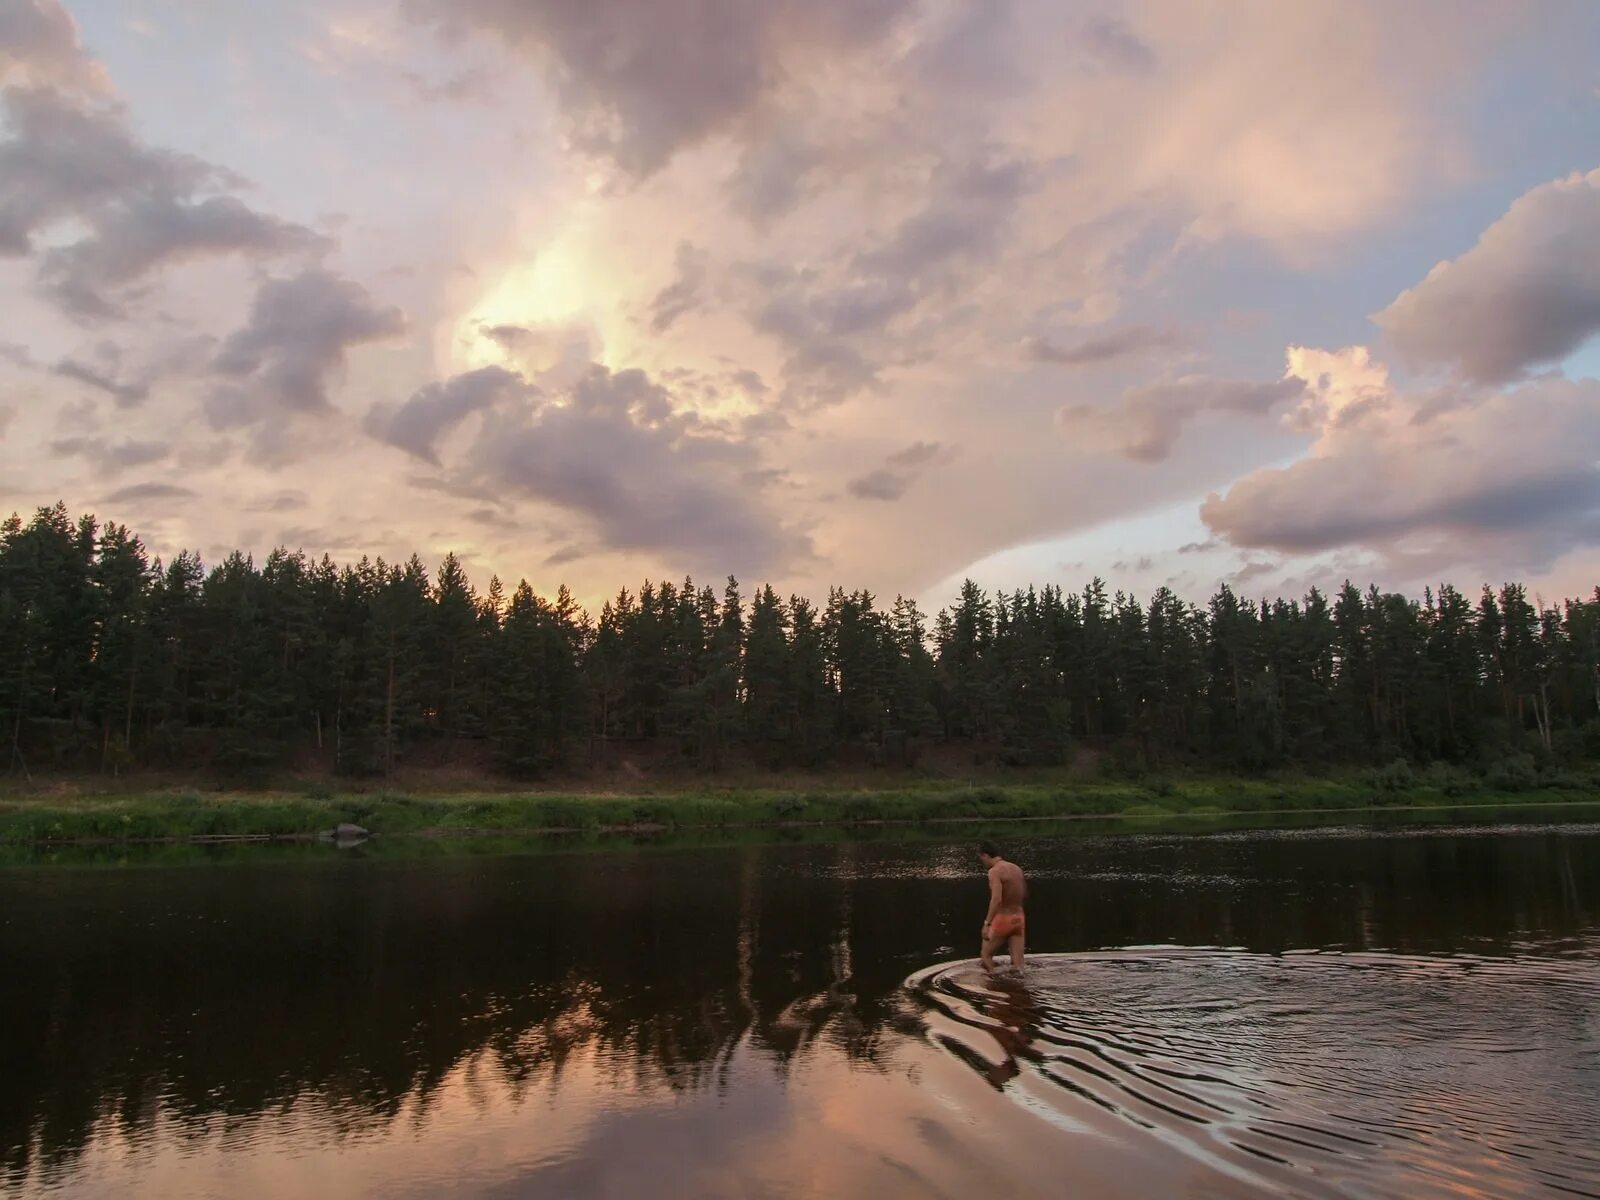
x,y
1337,1074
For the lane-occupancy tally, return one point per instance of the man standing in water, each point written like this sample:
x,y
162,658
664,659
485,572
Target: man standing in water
x,y
1004,922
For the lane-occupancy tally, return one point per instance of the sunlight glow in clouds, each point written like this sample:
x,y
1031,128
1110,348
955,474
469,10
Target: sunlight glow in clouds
x,y
861,293
564,289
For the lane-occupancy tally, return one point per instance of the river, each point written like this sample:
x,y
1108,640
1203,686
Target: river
x,y
1323,1012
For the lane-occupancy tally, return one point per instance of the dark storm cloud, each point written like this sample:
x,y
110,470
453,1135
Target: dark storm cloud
x,y
640,79
299,330
1145,424
1111,347
433,411
616,452
132,209
1527,294
683,294
144,493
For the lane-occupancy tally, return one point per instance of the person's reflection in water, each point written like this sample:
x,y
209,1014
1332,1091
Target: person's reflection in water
x,y
1015,1017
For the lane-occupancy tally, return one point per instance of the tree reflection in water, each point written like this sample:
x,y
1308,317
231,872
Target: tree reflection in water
x,y
203,997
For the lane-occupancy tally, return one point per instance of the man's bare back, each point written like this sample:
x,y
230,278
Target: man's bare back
x,y
1013,887
1004,924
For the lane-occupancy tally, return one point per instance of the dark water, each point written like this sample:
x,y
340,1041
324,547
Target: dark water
x,y
1395,1013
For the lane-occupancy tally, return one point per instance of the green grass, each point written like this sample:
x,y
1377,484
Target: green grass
x,y
177,815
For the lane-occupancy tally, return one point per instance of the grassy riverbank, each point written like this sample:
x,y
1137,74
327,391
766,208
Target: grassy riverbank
x,y
153,815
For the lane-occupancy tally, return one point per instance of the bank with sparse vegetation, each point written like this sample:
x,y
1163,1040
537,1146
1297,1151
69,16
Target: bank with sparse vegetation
x,y
179,814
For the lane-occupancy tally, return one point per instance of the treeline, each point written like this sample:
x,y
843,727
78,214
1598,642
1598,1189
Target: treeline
x,y
111,661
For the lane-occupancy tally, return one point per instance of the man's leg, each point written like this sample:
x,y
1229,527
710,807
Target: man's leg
x,y
1016,950
986,956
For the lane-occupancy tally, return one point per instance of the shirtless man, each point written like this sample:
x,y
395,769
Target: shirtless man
x,y
1004,922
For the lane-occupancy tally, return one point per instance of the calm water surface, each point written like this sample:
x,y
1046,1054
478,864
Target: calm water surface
x,y
1322,1013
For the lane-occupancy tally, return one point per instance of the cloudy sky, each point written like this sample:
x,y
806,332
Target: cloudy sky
x,y
871,292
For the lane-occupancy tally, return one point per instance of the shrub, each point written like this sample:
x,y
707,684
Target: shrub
x,y
1449,780
1515,773
1396,776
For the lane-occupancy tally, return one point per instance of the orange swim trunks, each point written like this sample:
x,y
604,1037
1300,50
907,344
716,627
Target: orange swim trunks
x,y
1006,924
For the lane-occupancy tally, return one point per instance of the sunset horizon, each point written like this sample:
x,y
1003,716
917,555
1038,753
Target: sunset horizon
x,y
877,295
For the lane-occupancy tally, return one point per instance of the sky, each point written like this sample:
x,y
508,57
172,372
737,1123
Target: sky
x,y
871,293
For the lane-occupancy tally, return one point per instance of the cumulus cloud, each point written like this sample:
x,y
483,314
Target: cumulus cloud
x,y
145,233
1527,294
554,355
617,453
640,79
1118,344
434,410
1145,424
39,44
1509,476
127,210
298,333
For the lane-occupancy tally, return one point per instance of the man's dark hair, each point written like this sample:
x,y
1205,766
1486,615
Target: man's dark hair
x,y
989,850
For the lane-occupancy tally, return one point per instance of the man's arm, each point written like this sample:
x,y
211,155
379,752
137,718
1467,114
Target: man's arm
x,y
994,896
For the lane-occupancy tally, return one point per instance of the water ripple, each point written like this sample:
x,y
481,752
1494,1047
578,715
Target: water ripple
x,y
1313,1073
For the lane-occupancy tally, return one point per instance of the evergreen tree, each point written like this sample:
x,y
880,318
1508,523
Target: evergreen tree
x,y
110,662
